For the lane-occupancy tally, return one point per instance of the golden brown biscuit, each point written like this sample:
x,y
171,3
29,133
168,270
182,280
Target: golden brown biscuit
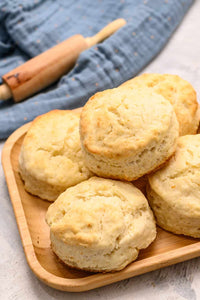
x,y
174,191
100,225
178,92
51,159
127,133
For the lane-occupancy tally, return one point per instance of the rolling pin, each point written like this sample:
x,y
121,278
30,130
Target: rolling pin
x,y
44,69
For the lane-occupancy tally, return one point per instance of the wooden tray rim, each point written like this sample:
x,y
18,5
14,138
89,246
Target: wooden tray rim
x,y
91,281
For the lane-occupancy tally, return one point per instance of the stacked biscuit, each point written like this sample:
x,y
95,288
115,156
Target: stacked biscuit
x,y
100,220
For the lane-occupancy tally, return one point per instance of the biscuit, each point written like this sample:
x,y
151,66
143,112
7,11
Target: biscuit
x,y
100,225
51,159
127,133
174,191
178,92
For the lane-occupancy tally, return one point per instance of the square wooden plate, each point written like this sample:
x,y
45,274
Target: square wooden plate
x,y
30,211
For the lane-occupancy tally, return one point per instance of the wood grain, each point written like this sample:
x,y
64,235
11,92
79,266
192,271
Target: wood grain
x,y
30,212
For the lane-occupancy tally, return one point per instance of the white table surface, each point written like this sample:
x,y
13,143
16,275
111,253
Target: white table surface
x,y
182,281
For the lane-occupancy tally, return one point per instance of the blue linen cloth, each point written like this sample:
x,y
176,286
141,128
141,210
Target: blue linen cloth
x,y
29,27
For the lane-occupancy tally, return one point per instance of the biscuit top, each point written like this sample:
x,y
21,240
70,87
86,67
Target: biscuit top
x,y
102,214
179,180
177,91
51,150
116,122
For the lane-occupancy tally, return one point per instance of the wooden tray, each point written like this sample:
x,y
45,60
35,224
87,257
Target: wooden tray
x,y
30,211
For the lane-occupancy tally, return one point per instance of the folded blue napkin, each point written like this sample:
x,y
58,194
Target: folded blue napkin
x,y
29,27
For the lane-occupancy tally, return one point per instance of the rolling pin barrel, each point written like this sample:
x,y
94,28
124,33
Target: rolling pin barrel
x,y
46,68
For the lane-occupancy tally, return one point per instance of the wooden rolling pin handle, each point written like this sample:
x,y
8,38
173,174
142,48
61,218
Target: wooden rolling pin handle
x,y
105,32
44,69
5,92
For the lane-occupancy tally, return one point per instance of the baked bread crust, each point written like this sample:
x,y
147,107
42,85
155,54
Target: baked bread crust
x,y
125,135
174,191
100,225
178,92
51,158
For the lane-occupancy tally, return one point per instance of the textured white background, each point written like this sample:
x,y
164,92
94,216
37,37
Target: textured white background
x,y
182,281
